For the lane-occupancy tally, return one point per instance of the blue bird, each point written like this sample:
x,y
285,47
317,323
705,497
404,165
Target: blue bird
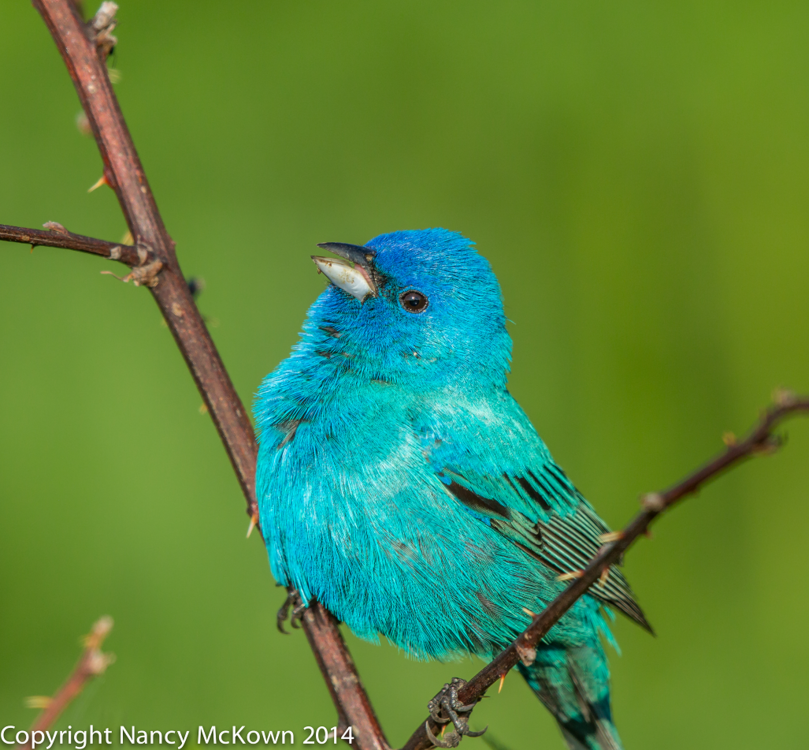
x,y
401,485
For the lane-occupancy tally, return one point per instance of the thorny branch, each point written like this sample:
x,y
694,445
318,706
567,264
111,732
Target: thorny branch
x,y
55,235
761,441
144,267
93,662
84,48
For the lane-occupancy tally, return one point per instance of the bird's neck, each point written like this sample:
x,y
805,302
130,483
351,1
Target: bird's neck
x,y
344,358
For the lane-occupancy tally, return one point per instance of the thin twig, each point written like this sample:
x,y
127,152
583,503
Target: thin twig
x,y
93,662
55,235
84,56
760,441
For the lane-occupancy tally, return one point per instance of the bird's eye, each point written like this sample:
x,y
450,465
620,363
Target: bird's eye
x,y
413,301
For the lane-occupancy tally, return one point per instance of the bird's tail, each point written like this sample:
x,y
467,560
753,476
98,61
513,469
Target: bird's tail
x,y
573,684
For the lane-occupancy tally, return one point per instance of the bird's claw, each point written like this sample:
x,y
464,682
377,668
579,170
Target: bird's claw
x,y
292,606
446,708
451,741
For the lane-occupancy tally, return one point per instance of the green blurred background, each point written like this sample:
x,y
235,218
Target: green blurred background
x,y
638,174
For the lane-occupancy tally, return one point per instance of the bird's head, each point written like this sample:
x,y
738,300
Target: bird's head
x,y
414,305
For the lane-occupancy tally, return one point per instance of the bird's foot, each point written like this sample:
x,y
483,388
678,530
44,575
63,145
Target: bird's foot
x,y
292,606
446,708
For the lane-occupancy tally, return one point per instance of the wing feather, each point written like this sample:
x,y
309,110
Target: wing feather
x,y
491,459
562,542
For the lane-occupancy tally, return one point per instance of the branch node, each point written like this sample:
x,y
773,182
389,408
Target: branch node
x,y
145,275
115,253
97,662
102,25
784,398
141,275
83,123
527,654
653,502
768,445
101,629
55,226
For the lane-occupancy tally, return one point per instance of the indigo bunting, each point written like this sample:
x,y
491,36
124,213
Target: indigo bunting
x,y
401,485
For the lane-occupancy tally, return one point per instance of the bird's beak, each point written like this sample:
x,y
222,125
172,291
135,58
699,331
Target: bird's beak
x,y
357,254
349,272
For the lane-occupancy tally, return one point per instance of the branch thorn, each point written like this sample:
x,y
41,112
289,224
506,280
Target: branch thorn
x,y
253,524
502,680
38,701
102,181
611,536
571,576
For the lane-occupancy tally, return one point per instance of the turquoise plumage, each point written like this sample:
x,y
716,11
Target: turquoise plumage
x,y
402,486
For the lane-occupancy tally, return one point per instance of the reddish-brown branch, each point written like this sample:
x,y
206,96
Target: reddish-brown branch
x,y
353,705
760,441
124,173
91,664
55,235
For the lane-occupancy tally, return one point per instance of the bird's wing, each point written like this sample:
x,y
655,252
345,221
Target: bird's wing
x,y
491,460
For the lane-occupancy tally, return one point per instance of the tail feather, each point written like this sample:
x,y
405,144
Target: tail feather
x,y
605,738
573,684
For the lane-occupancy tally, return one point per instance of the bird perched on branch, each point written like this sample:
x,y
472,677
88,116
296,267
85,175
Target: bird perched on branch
x,y
402,486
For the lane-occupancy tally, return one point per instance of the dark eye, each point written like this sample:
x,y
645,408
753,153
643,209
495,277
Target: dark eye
x,y
413,301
